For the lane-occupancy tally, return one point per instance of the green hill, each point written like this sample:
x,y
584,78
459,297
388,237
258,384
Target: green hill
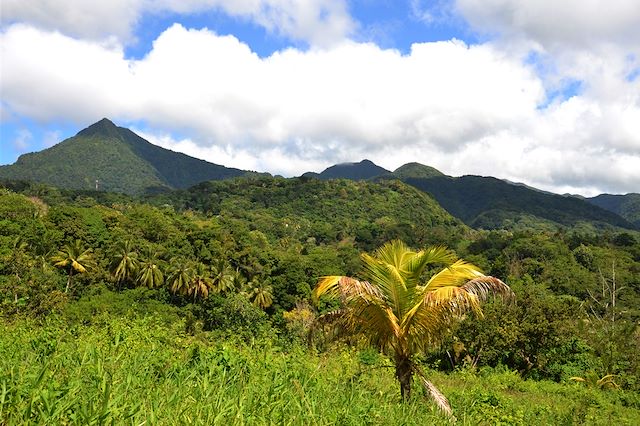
x,y
490,203
113,159
329,210
627,206
416,170
363,170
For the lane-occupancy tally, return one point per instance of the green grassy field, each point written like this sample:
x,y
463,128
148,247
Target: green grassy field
x,y
140,371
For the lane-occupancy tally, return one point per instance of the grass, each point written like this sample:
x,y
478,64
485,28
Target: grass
x,y
136,372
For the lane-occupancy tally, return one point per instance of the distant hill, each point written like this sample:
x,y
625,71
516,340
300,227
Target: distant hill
x,y
331,210
486,202
363,170
627,206
490,203
118,159
416,170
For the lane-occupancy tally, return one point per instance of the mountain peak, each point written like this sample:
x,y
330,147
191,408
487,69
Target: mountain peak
x,y
104,127
365,169
416,170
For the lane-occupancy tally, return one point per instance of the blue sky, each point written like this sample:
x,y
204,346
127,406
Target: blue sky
x,y
541,92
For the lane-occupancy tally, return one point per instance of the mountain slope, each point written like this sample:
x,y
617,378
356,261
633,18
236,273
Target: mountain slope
x,y
363,170
490,203
118,159
627,206
416,170
486,202
330,210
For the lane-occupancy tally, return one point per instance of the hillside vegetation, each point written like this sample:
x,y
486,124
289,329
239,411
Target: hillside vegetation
x,y
195,306
118,159
627,206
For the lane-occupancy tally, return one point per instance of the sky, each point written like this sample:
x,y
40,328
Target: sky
x,y
544,92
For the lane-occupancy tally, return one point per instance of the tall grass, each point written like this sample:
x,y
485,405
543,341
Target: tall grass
x,y
139,372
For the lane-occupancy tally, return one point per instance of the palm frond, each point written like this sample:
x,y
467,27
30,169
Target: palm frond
x,y
436,396
486,286
455,274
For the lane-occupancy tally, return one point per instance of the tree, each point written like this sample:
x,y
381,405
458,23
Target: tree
x,y
259,293
222,276
73,258
150,275
125,262
179,276
397,309
201,283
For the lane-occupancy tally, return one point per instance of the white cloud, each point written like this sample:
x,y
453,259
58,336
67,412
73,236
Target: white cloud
x,y
319,22
463,109
578,23
22,140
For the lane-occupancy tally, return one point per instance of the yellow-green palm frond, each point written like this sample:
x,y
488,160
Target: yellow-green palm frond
x,y
455,274
343,287
430,256
375,321
485,286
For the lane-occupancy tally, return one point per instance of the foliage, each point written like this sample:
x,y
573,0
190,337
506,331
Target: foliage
x,y
112,158
143,371
399,310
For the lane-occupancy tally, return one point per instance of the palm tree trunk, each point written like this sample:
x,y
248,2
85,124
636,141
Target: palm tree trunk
x,y
66,290
404,373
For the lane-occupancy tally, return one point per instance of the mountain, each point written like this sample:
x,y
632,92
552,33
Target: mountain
x,y
416,170
369,212
363,170
487,202
627,206
490,203
115,159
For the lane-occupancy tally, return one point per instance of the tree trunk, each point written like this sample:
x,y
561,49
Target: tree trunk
x,y
66,290
404,373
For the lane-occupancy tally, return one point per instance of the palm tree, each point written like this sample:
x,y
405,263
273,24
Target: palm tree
x,y
201,283
180,275
125,262
149,274
222,276
402,312
73,258
259,293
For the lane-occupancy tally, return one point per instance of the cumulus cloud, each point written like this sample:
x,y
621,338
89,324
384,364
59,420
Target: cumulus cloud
x,y
319,22
576,23
461,108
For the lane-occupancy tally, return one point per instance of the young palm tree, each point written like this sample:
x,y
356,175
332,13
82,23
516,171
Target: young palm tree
x,y
73,258
149,274
401,310
125,262
180,275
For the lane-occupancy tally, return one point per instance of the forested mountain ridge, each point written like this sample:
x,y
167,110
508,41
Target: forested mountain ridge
x,y
491,203
115,159
627,206
362,170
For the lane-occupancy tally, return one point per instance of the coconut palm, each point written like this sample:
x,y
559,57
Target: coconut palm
x,y
201,283
74,258
402,310
179,276
222,276
125,262
259,293
149,273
